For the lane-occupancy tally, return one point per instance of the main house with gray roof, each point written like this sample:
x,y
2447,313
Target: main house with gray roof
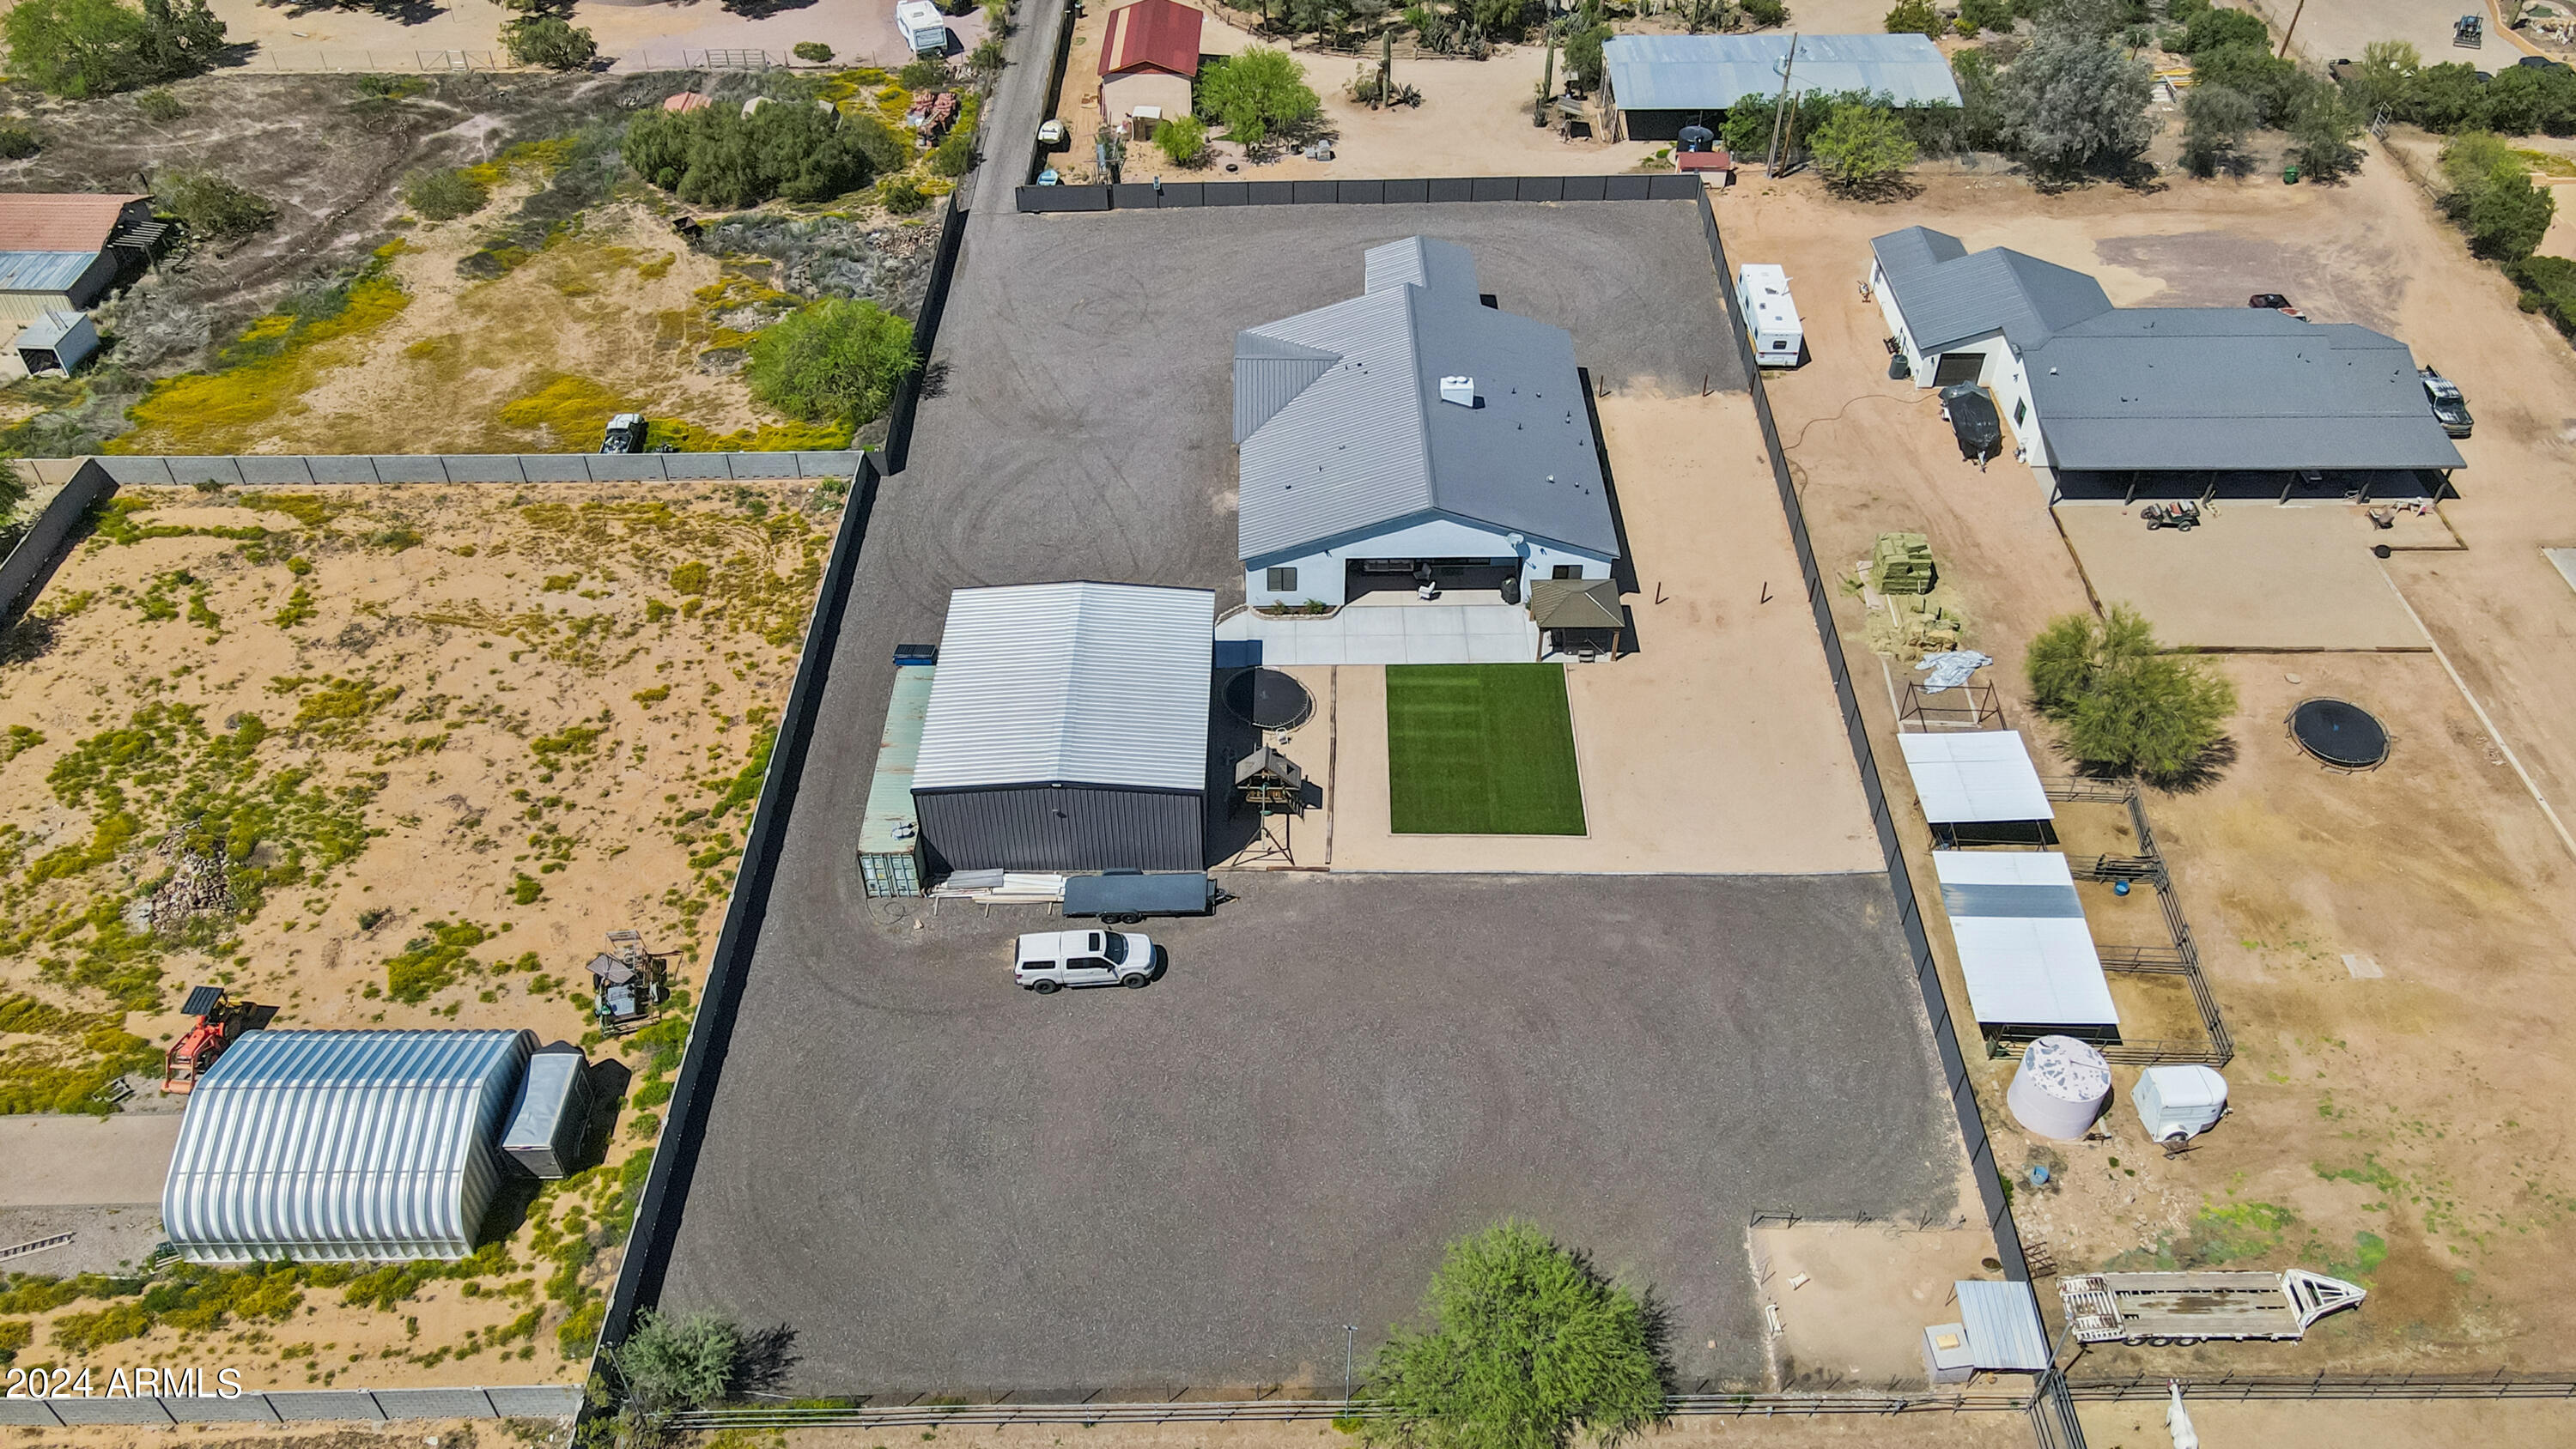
x,y
2090,388
1414,432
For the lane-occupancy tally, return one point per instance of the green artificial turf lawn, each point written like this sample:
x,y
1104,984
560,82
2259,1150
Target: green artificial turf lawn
x,y
1481,749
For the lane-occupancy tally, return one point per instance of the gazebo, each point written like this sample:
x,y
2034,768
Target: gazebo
x,y
1581,617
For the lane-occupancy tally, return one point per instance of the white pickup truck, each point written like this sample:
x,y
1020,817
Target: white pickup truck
x,y
1049,961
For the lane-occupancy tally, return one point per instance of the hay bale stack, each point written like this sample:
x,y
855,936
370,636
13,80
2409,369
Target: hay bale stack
x,y
1901,563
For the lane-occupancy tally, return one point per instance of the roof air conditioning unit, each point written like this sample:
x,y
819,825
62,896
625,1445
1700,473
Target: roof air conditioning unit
x,y
1459,390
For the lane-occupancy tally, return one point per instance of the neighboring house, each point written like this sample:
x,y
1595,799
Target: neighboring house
x,y
1653,85
2089,388
1067,729
62,252
1413,433
1149,53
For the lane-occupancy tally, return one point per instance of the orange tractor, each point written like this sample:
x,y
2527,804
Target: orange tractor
x,y
220,1020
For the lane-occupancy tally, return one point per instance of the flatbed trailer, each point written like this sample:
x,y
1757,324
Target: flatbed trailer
x,y
2166,1308
1124,897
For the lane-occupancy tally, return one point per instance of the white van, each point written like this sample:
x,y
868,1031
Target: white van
x,y
1762,295
1049,961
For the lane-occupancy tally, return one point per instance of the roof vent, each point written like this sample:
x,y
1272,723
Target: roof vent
x,y
1459,390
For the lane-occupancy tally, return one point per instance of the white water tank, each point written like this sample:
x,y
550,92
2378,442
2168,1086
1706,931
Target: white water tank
x,y
2179,1103
2061,1087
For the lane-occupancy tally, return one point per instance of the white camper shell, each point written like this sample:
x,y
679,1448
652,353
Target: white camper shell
x,y
1770,315
924,29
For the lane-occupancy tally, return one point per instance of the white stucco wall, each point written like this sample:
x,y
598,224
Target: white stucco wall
x,y
1322,576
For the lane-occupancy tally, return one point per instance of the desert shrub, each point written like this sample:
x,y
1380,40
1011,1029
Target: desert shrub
x,y
159,104
1862,148
1583,59
212,208
833,361
1915,17
18,141
550,41
1530,1347
1766,12
676,1363
988,58
717,157
1184,140
928,73
2549,288
2074,99
2215,29
814,51
2323,127
15,1334
444,195
2385,75
1977,15
2492,198
1254,94
82,48
955,153
2125,704
902,195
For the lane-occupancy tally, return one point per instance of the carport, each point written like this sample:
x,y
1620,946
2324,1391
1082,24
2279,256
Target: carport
x,y
1977,778
2024,948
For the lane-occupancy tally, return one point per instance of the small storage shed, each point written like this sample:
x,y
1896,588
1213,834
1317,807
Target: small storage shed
x,y
1149,52
1770,315
2024,947
343,1146
890,835
58,342
552,1113
2004,1331
1068,730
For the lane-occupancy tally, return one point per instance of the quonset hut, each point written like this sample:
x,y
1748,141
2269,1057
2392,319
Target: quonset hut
x,y
342,1146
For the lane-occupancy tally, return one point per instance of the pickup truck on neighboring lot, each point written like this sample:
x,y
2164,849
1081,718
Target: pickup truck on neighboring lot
x,y
2274,302
2450,408
1049,961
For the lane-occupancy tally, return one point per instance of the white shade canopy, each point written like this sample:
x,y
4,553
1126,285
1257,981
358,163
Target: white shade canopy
x,y
2023,945
1974,776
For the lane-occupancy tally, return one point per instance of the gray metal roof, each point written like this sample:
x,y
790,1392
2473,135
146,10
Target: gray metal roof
x,y
1949,295
42,271
1713,72
1078,683
2224,388
337,1146
1332,450
2004,1330
2024,948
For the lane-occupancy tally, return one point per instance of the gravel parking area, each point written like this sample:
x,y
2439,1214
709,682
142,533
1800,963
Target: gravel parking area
x,y
944,1184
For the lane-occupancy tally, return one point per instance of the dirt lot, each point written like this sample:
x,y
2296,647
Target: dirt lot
x,y
2390,1126
352,326
383,756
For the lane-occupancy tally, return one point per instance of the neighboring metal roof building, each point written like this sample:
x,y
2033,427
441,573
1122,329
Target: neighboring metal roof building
x,y
1974,776
1949,295
2024,948
1343,430
1082,683
1156,35
73,221
43,271
1713,72
2004,1329
336,1146
2217,388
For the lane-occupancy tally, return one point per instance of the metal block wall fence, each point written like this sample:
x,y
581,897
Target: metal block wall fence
x,y
23,573
289,471
527,1401
1954,1066
1135,195
922,1411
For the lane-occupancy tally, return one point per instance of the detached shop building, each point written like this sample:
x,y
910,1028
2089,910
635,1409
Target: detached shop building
x,y
61,252
1653,85
2095,392
1414,435
1149,54
1068,730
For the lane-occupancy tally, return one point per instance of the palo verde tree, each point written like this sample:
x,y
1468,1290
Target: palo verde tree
x,y
83,48
1862,149
835,361
1255,95
2125,704
2075,100
1530,1347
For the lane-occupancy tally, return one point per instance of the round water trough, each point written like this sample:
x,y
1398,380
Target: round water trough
x,y
1267,699
2342,735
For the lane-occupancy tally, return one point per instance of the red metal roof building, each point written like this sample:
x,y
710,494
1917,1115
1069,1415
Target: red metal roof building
x,y
79,221
1151,35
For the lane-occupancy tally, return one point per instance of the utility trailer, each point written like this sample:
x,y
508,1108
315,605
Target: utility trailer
x,y
1124,897
2168,1308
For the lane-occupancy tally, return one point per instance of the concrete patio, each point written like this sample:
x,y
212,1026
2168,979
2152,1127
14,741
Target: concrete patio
x,y
1389,628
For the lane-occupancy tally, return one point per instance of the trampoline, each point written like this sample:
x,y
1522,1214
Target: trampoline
x,y
2342,736
1267,699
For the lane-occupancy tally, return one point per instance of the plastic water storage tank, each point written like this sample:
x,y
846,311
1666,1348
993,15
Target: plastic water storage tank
x,y
2061,1087
2179,1103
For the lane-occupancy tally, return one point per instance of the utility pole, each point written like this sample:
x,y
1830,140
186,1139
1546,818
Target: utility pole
x,y
1780,108
2292,29
1350,1340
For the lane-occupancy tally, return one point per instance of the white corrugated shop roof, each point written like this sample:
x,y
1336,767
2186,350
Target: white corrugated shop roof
x,y
1975,775
1093,684
1713,72
2004,1331
2023,945
340,1146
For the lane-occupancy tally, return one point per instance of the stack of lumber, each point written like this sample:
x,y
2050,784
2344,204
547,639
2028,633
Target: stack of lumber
x,y
1901,563
1001,886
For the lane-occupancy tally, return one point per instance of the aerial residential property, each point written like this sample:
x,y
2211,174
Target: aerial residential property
x,y
1403,726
